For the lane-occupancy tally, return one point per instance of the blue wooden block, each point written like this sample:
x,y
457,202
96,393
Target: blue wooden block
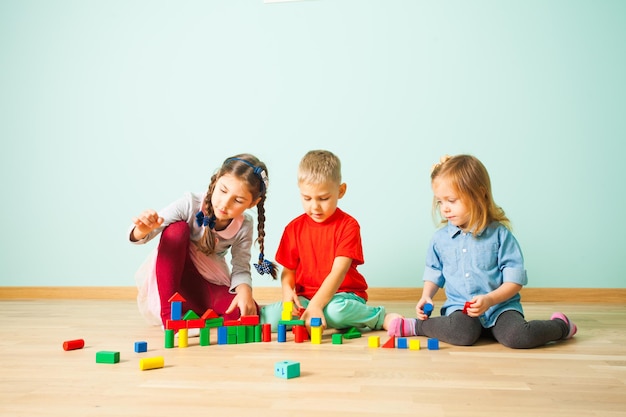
x,y
402,343
433,344
316,322
177,310
141,347
222,335
428,309
282,333
287,369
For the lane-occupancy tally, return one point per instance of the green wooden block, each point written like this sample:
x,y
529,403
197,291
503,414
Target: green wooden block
x,y
105,356
249,334
352,333
169,339
337,339
287,369
231,339
190,315
292,322
242,334
258,332
205,336
216,322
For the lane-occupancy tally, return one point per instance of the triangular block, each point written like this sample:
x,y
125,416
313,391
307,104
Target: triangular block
x,y
391,343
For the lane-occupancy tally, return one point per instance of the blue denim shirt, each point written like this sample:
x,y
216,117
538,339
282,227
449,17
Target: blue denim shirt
x,y
467,265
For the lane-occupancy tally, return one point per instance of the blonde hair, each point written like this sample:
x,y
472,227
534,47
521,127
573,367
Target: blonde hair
x,y
319,166
470,179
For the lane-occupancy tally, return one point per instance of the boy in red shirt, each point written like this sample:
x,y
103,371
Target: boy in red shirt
x,y
320,251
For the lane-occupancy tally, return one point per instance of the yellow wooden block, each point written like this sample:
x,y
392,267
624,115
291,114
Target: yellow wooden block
x,y
151,363
183,338
373,341
287,310
316,335
414,344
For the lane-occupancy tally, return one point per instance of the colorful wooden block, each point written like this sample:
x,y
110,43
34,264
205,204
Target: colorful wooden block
x,y
242,334
177,310
402,343
428,309
373,341
205,336
467,305
151,363
141,347
414,344
196,323
175,324
183,338
190,315
266,332
433,344
316,335
299,333
105,356
214,322
169,338
337,339
287,369
250,320
316,321
222,335
352,333
73,344
391,343
209,314
282,333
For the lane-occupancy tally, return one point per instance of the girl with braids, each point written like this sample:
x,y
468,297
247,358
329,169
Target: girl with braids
x,y
478,261
196,233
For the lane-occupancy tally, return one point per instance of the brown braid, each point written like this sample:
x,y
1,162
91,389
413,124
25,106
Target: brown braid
x,y
207,243
260,208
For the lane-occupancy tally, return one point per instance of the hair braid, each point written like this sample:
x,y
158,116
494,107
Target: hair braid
x,y
260,207
207,243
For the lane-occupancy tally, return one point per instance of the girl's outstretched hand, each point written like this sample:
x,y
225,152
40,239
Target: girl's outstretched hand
x,y
243,300
146,222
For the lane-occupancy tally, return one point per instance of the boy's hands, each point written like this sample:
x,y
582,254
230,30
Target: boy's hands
x,y
146,222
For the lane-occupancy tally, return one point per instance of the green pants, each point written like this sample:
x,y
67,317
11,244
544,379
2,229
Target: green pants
x,y
343,311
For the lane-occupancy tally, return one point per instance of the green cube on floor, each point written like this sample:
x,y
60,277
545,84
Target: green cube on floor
x,y
337,339
287,369
105,356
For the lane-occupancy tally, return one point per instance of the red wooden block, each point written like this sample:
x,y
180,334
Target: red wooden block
x,y
176,324
391,343
176,297
266,332
210,314
196,324
300,334
73,344
468,304
232,323
249,320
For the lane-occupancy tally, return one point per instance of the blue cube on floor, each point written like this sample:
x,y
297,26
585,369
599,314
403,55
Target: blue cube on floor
x,y
141,347
433,344
287,369
402,343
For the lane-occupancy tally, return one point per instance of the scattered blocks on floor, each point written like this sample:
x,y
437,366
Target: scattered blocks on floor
x,y
402,343
391,343
151,363
141,347
105,356
287,369
433,344
414,344
373,341
73,344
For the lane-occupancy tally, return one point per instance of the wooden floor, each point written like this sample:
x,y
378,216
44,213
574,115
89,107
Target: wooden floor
x,y
585,376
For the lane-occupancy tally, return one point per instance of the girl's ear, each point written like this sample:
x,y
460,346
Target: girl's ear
x,y
255,202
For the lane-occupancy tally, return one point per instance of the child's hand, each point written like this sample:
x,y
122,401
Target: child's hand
x,y
146,222
243,300
478,305
290,296
419,308
311,312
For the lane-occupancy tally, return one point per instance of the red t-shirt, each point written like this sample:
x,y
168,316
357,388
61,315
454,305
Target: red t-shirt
x,y
310,248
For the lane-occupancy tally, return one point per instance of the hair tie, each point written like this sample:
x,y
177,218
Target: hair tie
x,y
202,220
264,266
258,171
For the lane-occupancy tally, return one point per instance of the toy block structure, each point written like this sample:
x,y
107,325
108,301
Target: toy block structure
x,y
141,347
73,344
176,302
402,343
373,341
337,339
433,344
105,356
287,369
391,343
428,309
414,344
151,363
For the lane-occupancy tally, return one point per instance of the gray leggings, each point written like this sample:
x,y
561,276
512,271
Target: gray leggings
x,y
511,329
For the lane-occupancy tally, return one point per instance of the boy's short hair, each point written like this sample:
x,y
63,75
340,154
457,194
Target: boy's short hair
x,y
319,166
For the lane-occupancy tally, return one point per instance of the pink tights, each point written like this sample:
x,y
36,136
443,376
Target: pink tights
x,y
176,272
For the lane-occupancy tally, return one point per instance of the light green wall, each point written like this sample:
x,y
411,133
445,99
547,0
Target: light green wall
x,y
110,107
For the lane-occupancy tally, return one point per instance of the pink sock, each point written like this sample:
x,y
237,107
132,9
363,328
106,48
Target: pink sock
x,y
402,327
